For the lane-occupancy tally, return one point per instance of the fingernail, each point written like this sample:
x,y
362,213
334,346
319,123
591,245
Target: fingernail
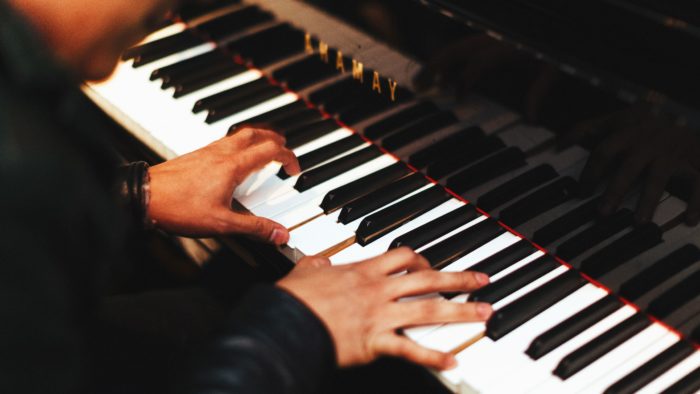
x,y
484,310
482,279
450,362
279,236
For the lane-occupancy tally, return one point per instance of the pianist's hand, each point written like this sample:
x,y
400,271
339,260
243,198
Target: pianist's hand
x,y
191,195
640,144
459,66
359,304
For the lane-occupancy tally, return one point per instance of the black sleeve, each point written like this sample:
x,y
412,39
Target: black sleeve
x,y
272,343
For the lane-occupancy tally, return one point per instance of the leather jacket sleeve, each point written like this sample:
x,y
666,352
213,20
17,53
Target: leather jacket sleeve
x,y
272,343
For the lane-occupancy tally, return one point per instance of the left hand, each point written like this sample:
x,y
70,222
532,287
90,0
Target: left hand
x,y
191,195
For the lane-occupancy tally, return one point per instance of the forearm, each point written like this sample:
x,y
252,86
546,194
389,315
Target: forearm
x,y
271,344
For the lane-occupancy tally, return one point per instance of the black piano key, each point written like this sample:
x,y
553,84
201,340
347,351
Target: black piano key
x,y
183,88
230,95
300,135
567,223
166,46
621,250
233,23
458,245
304,72
539,201
505,258
408,115
325,153
381,197
271,118
337,198
652,369
528,306
212,69
352,95
675,297
689,384
462,154
357,112
451,146
227,109
516,187
416,130
268,46
491,167
320,95
379,223
514,281
295,121
599,346
572,326
592,236
658,272
188,65
430,231
332,169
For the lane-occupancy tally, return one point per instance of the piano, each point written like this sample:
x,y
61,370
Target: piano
x,y
582,304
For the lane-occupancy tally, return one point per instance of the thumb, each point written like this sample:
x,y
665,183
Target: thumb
x,y
257,227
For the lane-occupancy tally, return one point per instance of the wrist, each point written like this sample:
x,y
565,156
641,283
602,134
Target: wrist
x,y
135,191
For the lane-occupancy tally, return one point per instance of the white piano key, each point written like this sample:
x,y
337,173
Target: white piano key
x,y
356,252
281,202
490,248
531,373
610,360
487,360
323,232
451,233
534,256
680,370
264,186
607,380
451,336
264,107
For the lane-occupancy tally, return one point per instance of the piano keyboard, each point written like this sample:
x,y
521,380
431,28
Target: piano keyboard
x,y
553,330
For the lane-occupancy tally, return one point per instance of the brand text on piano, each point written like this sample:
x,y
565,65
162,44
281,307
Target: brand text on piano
x,y
357,67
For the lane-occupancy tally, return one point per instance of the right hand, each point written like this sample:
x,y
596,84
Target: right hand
x,y
359,304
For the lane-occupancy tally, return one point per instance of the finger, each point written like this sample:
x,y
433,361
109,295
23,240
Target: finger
x,y
247,136
314,262
589,128
397,260
601,159
255,226
653,189
430,281
539,90
402,347
437,311
623,180
258,156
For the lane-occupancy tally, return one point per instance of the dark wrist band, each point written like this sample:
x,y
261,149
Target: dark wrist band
x,y
135,190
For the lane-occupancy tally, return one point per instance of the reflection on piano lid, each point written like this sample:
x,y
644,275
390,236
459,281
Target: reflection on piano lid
x,y
376,158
